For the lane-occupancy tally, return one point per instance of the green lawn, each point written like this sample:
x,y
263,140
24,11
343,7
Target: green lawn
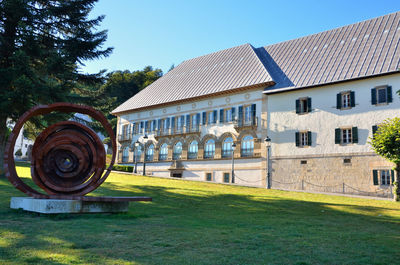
x,y
204,223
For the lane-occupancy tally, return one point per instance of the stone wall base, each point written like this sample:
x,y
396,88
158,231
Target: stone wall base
x,y
346,174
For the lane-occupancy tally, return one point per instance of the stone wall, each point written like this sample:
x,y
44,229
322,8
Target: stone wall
x,y
339,173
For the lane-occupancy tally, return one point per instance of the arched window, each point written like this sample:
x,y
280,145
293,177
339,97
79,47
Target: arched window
x,y
138,152
163,152
177,151
227,147
150,152
209,149
247,146
193,149
125,154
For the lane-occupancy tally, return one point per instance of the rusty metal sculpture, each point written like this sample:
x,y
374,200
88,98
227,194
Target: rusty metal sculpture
x,y
68,158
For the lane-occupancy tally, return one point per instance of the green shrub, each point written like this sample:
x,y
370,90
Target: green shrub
x,y
122,168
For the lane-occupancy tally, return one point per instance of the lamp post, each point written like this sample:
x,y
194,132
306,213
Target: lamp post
x,y
144,151
135,154
268,145
233,162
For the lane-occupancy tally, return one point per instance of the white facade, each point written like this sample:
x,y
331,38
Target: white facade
x,y
325,117
248,170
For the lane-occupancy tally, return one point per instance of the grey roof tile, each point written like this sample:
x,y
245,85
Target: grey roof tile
x,y
363,49
355,51
213,73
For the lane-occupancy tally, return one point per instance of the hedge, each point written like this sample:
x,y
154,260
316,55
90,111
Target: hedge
x,y
122,168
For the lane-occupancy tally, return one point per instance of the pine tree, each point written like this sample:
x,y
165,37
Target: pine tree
x,y
42,46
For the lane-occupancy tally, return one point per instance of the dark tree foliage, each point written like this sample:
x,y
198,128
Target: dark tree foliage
x,y
122,85
42,45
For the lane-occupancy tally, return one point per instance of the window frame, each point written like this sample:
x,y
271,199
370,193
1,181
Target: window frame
x,y
125,157
177,155
303,105
190,153
211,174
224,177
149,157
162,156
207,153
244,152
227,152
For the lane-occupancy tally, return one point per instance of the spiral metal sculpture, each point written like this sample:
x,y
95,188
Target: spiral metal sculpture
x,y
68,158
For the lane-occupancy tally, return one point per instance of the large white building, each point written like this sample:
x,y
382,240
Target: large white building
x,y
318,98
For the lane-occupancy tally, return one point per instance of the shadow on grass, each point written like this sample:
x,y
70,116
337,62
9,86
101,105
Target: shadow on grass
x,y
203,228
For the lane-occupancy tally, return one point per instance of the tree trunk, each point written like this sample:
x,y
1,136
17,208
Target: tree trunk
x,y
396,192
3,140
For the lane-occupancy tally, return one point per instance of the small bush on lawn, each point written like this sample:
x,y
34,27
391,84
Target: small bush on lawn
x,y
122,168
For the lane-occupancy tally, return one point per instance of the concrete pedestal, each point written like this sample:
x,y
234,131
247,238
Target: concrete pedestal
x,y
56,206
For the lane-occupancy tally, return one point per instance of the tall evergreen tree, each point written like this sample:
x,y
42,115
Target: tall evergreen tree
x,y
42,45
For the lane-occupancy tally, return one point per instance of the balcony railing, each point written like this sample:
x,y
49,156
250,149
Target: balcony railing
x,y
247,152
162,157
176,156
124,137
226,153
209,154
192,155
252,122
179,130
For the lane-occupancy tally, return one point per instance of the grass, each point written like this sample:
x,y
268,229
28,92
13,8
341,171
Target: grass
x,y
204,223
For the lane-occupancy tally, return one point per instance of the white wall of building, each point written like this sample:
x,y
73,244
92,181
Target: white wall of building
x,y
212,103
324,118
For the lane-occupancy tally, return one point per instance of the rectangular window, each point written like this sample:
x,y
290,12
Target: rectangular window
x,y
210,117
228,115
194,122
179,124
226,177
383,177
303,105
346,100
303,138
346,135
381,95
209,176
247,114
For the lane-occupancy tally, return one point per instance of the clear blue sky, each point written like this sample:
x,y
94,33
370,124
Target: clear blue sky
x,y
165,32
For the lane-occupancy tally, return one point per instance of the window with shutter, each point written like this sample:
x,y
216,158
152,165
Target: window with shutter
x,y
221,116
339,101
337,136
204,120
355,135
374,129
240,115
188,122
381,95
303,138
375,177
215,113
303,105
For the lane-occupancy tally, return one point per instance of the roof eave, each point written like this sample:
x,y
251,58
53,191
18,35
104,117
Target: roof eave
x,y
288,89
260,85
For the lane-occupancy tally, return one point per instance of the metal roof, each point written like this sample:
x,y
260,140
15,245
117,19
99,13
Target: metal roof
x,y
363,49
224,70
355,51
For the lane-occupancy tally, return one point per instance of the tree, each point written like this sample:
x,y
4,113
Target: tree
x,y
122,85
42,46
386,143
